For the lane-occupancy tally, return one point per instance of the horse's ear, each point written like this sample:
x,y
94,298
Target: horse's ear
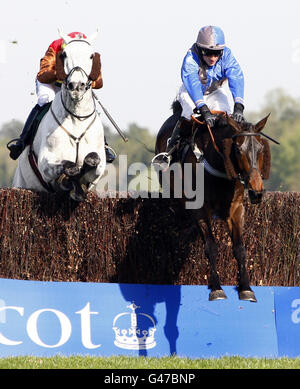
x,y
96,67
265,171
91,38
229,168
261,124
233,123
59,67
66,38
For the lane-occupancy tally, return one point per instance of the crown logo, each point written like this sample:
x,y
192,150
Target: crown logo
x,y
134,337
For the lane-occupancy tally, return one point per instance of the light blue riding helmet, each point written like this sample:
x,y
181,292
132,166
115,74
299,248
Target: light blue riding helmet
x,y
211,37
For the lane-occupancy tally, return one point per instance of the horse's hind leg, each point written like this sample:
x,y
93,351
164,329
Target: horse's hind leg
x,y
235,224
211,252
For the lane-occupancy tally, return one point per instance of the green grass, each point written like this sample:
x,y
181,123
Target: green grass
x,y
88,362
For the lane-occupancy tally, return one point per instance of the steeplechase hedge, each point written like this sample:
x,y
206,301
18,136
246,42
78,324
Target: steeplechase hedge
x,y
48,237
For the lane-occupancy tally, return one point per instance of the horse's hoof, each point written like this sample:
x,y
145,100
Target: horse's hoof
x,y
92,159
247,295
70,168
76,196
65,185
78,193
217,295
64,182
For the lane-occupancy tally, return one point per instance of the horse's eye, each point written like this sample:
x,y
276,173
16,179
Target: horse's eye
x,y
63,55
92,56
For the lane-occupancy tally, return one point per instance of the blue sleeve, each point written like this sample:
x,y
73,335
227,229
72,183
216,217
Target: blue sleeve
x,y
235,76
190,78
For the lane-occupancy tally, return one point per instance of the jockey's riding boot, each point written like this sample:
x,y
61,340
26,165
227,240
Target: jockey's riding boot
x,y
175,137
110,157
16,146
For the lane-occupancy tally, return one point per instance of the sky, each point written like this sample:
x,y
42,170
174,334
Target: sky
x,y
142,45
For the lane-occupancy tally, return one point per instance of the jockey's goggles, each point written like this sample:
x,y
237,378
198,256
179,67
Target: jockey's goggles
x,y
211,53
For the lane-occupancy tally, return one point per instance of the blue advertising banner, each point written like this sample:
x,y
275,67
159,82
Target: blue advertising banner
x,y
68,318
287,303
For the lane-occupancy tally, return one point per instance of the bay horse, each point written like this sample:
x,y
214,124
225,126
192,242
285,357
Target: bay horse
x,y
235,158
67,153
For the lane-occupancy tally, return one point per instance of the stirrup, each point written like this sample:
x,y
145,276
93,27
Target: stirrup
x,y
14,140
110,149
16,147
166,159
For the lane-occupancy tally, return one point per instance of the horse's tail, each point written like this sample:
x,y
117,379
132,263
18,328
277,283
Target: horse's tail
x,y
176,107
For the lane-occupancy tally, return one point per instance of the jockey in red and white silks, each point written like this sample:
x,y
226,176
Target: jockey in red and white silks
x,y
47,84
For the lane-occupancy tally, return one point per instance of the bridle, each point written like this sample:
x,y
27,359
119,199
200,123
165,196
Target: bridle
x,y
87,87
80,117
253,160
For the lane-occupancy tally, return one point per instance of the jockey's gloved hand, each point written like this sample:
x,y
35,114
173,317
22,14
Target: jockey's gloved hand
x,y
238,110
208,117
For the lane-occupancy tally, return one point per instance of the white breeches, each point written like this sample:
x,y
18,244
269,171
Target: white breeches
x,y
45,92
219,100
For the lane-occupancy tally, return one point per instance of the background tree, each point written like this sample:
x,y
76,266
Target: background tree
x,y
284,126
8,131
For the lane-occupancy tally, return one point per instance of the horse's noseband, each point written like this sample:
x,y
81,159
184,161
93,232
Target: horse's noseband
x,y
75,69
87,87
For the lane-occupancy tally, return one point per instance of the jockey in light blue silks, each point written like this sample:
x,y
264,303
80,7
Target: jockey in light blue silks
x,y
206,69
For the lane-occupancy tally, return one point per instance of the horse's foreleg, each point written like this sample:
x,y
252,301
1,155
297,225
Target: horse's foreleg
x,y
69,171
88,171
211,252
85,176
236,223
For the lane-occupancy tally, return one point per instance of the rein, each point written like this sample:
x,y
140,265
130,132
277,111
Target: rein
x,y
210,132
73,114
34,165
74,138
210,169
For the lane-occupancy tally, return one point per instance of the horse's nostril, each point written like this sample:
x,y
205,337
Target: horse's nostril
x,y
255,197
71,86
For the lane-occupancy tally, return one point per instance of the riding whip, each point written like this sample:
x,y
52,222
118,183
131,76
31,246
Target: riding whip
x,y
111,119
267,136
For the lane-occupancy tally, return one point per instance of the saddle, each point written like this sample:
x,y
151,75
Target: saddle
x,y
188,135
186,142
